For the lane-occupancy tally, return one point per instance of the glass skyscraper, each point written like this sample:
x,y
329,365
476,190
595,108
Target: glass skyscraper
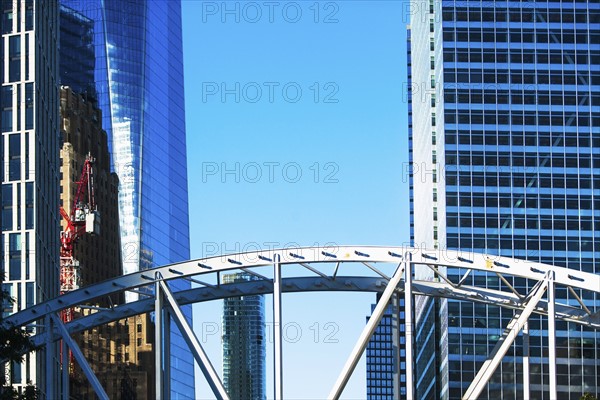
x,y
244,346
30,171
386,379
139,82
505,149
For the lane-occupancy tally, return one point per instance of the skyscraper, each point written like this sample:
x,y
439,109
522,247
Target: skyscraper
x,y
139,83
30,168
244,347
505,146
386,372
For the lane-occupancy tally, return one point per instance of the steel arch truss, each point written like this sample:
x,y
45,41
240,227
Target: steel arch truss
x,y
387,270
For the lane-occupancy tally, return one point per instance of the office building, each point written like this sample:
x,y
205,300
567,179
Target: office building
x,y
30,170
244,347
386,370
141,98
505,146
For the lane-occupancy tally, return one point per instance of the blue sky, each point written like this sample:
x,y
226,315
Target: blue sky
x,y
296,134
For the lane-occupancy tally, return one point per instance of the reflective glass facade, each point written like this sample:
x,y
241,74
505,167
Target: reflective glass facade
x,y
505,143
244,346
386,380
139,83
30,170
77,53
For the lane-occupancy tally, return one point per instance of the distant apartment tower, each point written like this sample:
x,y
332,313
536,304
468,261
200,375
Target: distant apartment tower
x,y
30,165
505,143
386,357
244,347
139,88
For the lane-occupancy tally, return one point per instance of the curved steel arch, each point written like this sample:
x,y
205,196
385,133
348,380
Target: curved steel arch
x,y
407,259
437,258
318,284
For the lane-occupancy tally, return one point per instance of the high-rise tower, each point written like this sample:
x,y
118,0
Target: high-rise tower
x,y
386,358
30,169
505,145
244,347
139,88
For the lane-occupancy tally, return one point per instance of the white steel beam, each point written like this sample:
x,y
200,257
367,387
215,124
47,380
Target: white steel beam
x,y
408,323
158,342
65,371
277,331
316,271
396,351
552,337
508,337
166,354
194,344
526,372
50,391
366,334
76,351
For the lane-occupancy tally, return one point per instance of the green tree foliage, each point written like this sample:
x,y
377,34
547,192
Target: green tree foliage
x,y
588,396
14,342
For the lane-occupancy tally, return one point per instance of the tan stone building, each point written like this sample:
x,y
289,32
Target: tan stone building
x,y
120,353
81,130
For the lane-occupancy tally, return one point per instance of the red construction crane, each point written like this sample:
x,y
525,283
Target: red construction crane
x,y
84,219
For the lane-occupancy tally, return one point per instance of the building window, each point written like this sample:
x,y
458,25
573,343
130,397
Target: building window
x,y
29,195
7,17
7,106
29,106
14,256
14,63
29,15
14,157
29,294
15,372
7,208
